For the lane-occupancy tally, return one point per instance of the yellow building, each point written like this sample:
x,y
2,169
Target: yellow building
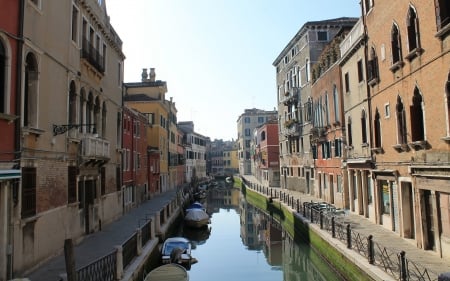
x,y
149,97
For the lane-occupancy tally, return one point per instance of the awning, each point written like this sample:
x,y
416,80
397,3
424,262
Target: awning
x,y
10,174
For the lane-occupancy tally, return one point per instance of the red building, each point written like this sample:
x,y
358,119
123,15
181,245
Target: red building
x,y
134,158
266,158
10,36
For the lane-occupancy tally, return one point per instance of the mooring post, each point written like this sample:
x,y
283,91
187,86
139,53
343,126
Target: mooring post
x,y
70,260
402,262
349,237
370,250
333,227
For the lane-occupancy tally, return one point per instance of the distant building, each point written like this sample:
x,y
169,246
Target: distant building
x,y
246,123
195,149
265,154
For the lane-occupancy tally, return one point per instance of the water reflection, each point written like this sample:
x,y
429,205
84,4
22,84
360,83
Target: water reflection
x,y
245,243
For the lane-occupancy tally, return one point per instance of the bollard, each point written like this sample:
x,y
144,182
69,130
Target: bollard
x,y
370,250
321,219
333,227
311,215
304,210
403,270
271,192
298,205
349,237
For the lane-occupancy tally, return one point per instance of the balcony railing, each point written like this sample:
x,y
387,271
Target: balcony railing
x,y
93,147
293,130
93,56
291,96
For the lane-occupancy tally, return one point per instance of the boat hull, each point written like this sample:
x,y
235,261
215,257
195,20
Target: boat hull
x,y
168,272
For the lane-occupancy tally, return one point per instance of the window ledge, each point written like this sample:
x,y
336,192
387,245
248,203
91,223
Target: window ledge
x,y
401,147
364,144
418,145
30,130
414,53
396,66
372,82
443,32
446,138
377,150
8,117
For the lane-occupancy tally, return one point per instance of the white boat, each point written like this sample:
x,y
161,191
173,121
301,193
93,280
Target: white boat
x,y
197,218
168,272
177,250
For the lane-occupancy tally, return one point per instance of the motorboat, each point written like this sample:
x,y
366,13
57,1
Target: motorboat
x,y
195,205
168,272
196,218
177,250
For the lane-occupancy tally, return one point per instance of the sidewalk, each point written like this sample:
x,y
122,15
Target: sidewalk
x,y
103,242
389,239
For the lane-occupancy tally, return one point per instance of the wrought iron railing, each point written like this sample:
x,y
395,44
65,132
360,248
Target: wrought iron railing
x,y
392,261
129,250
103,269
146,232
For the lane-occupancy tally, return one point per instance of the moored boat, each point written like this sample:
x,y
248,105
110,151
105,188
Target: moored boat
x,y
177,250
168,272
197,218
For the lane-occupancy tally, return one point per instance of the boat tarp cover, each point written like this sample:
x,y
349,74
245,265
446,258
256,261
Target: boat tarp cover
x,y
196,215
168,272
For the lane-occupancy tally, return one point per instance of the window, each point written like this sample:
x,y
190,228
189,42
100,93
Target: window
x,y
260,119
337,147
31,91
322,36
347,82
360,71
247,120
387,110
336,105
327,110
349,132
308,77
372,67
368,4
247,132
363,127
401,122
447,99
72,172
119,74
104,115
417,123
3,79
263,136
72,103
28,192
74,24
396,45
413,30
82,107
385,197
247,144
377,129
443,16
309,109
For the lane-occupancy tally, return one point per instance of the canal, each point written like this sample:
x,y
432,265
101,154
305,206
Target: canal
x,y
244,243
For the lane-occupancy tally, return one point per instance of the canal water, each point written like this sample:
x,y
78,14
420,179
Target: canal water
x,y
244,243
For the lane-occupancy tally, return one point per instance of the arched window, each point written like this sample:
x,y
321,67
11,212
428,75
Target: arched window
x,y
3,71
401,122
89,113
417,117
396,45
443,16
82,108
372,67
309,109
327,110
104,111
363,127
30,92
413,29
349,132
97,122
377,129
336,104
72,103
308,77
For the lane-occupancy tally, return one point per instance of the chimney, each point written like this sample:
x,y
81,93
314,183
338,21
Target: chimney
x,y
152,74
144,75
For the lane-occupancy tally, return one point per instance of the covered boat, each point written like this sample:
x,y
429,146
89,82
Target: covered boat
x,y
196,218
168,272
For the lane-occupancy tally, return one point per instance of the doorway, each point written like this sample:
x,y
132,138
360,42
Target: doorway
x,y
430,243
408,210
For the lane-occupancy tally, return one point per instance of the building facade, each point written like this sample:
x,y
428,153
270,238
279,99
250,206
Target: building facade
x,y
134,158
10,81
265,154
70,153
295,106
246,123
149,98
196,153
408,73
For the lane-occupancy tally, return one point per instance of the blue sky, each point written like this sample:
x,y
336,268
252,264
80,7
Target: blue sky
x,y
215,55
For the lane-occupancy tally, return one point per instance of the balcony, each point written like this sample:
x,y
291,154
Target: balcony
x,y
293,130
93,56
94,151
318,133
290,96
